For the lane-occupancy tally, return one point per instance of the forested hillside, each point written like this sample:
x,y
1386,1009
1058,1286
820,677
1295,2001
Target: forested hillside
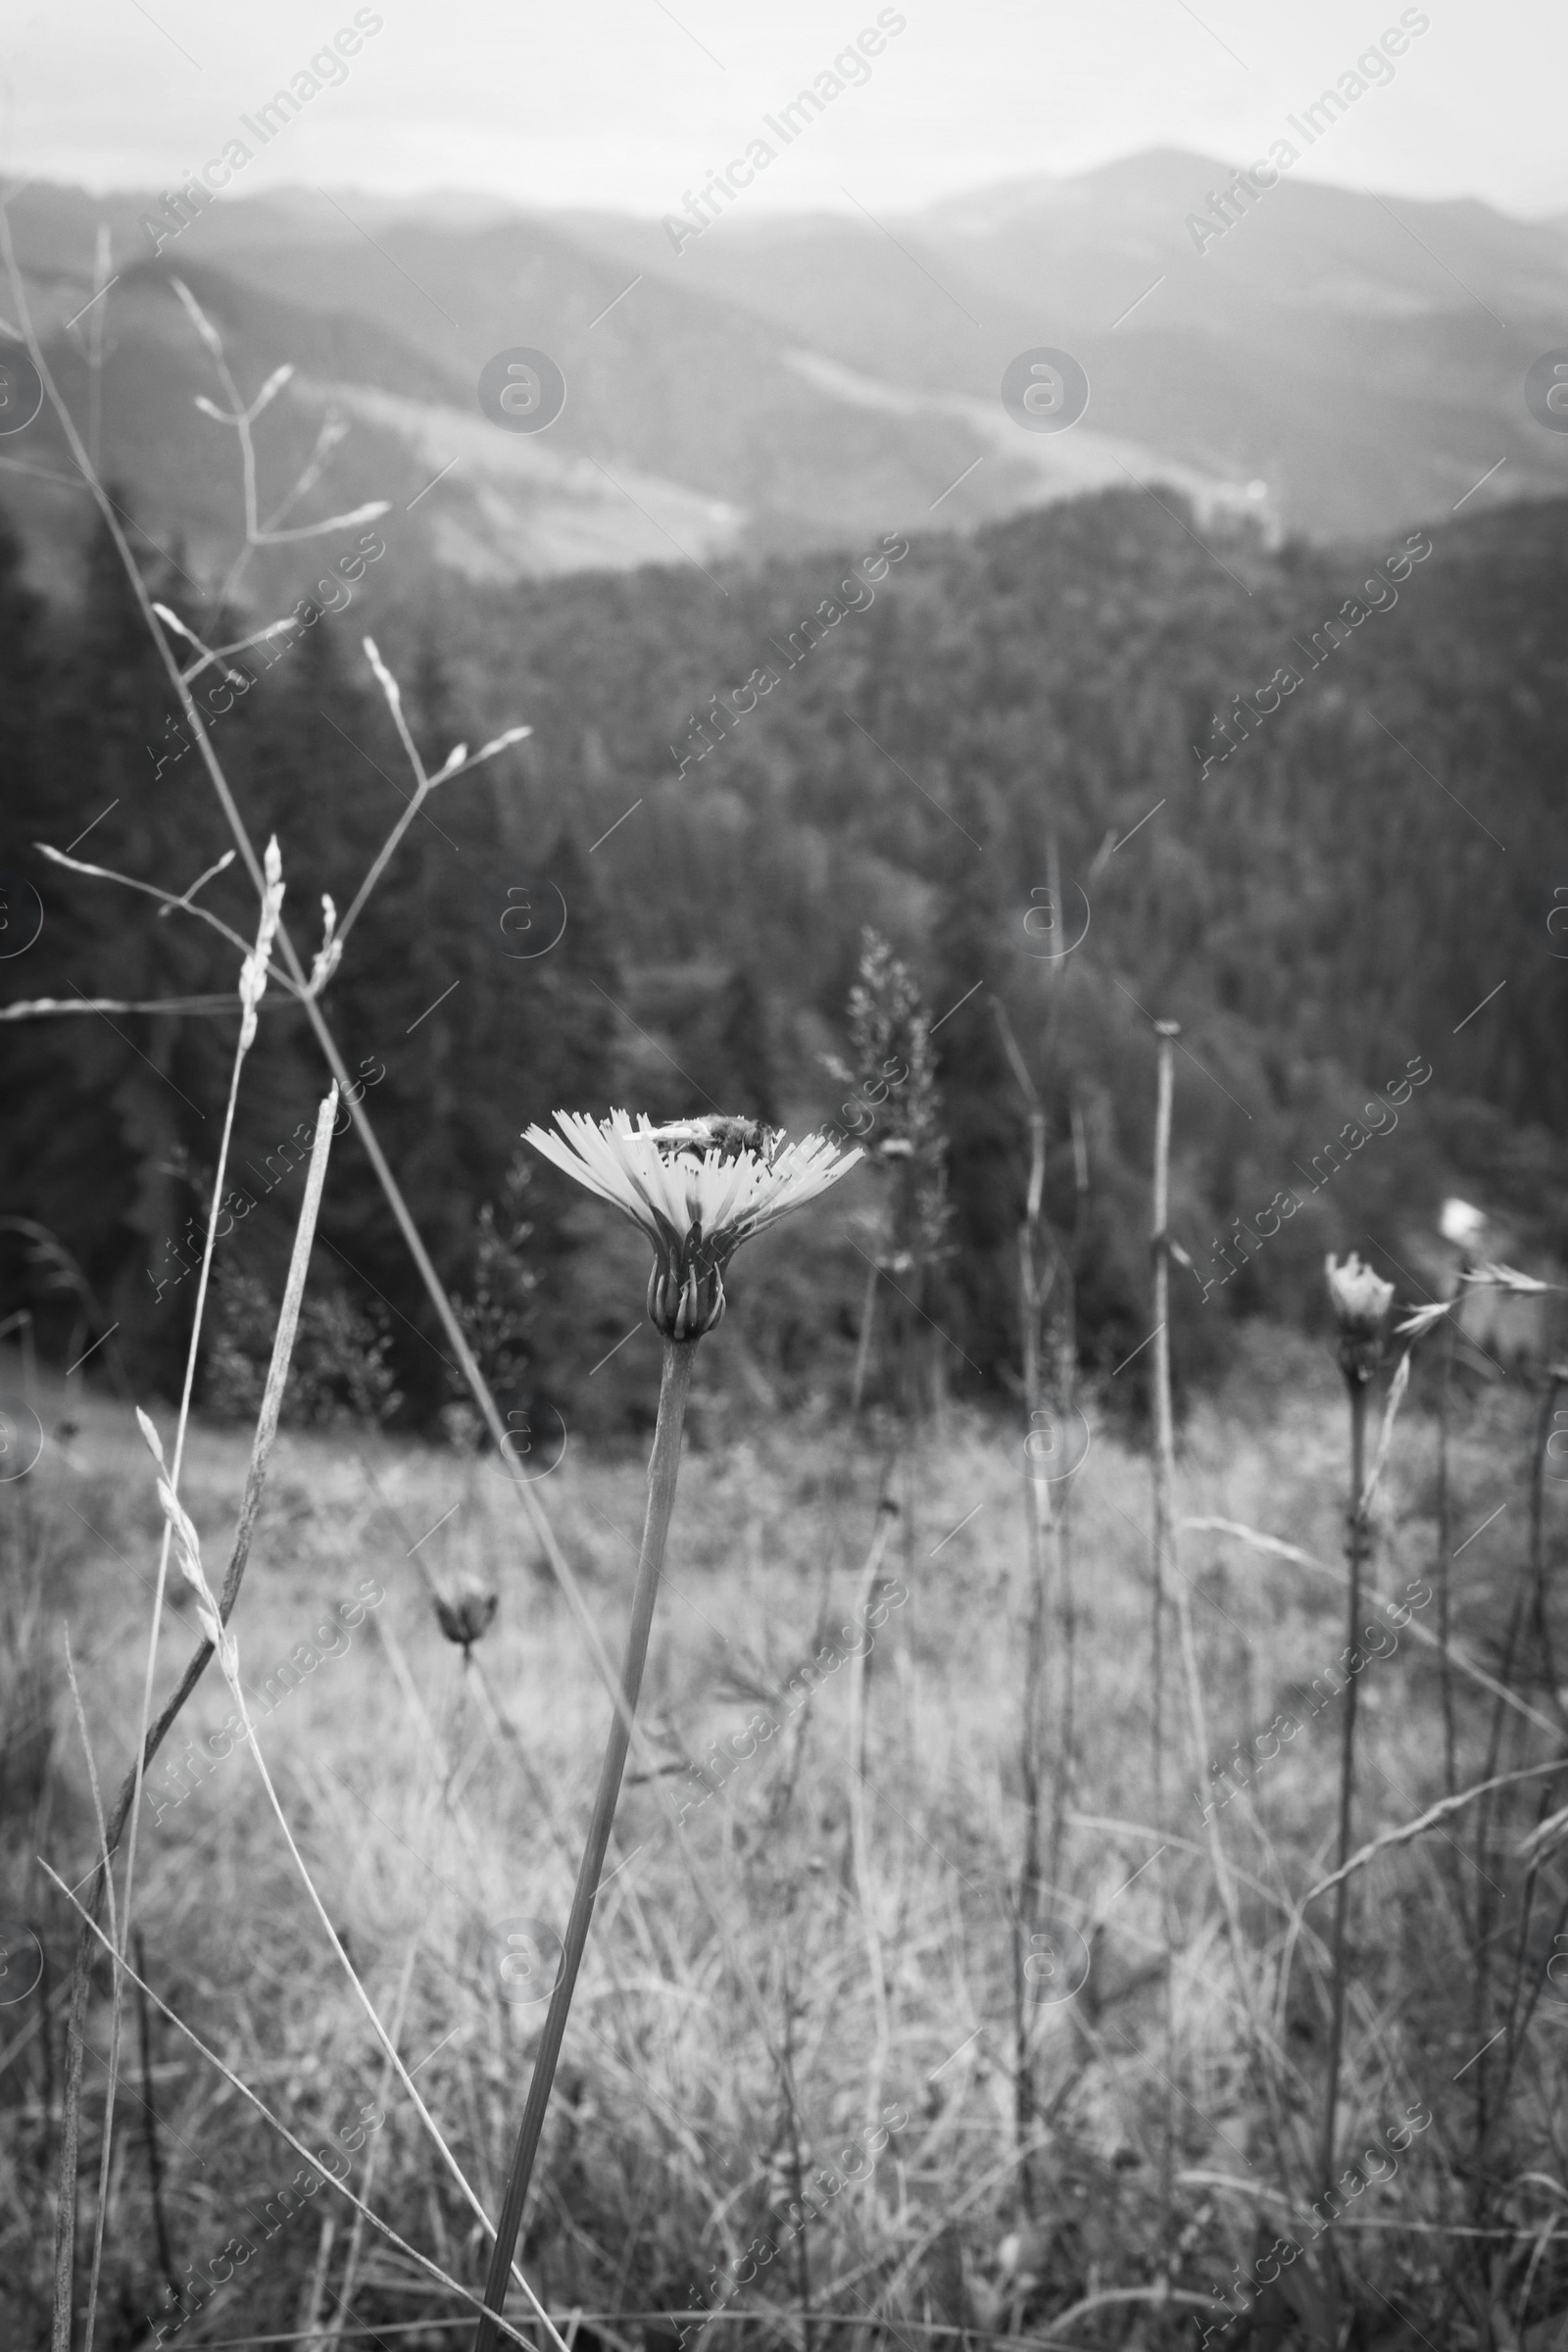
x,y
1321,880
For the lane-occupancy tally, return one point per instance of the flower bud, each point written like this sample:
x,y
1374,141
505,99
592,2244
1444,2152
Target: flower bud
x,y
1360,1301
467,1615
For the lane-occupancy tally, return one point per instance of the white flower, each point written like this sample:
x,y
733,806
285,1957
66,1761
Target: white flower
x,y
1360,1298
697,1189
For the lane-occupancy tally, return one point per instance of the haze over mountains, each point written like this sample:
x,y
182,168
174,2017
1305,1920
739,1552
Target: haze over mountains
x,y
1333,362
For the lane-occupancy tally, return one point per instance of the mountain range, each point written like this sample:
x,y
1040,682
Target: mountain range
x,y
1325,361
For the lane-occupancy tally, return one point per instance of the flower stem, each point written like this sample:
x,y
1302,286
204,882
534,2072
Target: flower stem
x,y
663,1465
1356,1547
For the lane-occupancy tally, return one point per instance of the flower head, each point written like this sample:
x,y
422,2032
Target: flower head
x,y
697,1188
1360,1301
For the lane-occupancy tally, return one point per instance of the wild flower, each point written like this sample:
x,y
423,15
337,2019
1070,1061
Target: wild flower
x,y
697,1188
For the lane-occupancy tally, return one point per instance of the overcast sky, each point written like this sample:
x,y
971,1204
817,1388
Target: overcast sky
x,y
626,103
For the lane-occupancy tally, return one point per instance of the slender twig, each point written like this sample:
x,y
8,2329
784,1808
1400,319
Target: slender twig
x,y
663,1466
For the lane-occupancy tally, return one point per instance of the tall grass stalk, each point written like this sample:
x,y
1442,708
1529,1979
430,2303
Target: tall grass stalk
x,y
1165,1534
662,1470
1163,1544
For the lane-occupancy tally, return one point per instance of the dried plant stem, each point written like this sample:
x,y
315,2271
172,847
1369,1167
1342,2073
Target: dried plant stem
x,y
1039,1528
662,1470
860,1837
1441,1580
1043,1542
1164,1428
1341,1896
1164,1540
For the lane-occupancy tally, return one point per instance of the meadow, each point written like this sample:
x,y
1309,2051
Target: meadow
x,y
789,2105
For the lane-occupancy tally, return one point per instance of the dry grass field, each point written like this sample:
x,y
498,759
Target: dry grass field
x,y
803,1962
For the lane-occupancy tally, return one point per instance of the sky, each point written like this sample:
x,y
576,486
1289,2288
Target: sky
x,y
627,104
